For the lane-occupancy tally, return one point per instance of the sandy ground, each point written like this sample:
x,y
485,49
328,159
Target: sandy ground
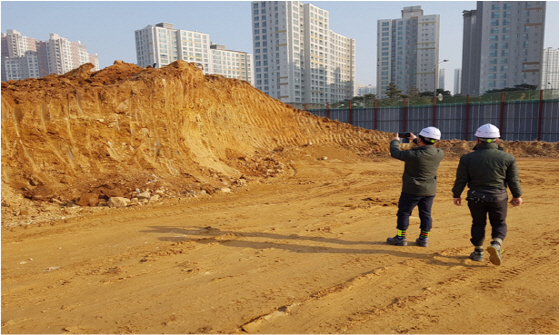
x,y
302,253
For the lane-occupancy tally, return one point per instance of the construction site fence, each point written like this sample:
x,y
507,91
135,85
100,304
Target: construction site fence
x,y
518,120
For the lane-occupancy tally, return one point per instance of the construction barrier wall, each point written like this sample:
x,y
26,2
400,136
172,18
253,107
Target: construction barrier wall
x,y
518,120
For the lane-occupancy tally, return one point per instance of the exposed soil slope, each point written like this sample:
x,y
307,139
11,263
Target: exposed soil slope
x,y
83,137
87,134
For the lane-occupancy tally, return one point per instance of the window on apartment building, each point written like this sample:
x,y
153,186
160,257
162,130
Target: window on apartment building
x,y
505,22
507,6
495,23
493,38
495,15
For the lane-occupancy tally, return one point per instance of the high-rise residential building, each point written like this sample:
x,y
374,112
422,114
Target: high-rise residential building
x,y
298,59
161,44
502,45
457,82
441,82
362,90
25,57
549,79
408,51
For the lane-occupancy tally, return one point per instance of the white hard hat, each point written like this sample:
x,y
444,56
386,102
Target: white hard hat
x,y
431,133
487,131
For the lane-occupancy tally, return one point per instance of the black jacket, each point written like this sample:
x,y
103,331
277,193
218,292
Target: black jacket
x,y
420,168
487,167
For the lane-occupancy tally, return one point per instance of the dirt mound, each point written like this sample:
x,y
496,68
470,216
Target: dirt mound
x,y
137,133
457,148
84,137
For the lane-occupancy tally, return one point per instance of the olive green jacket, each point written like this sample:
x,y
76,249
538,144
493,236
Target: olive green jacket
x,y
420,168
487,167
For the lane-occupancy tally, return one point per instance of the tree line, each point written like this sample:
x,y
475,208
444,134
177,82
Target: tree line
x,y
395,96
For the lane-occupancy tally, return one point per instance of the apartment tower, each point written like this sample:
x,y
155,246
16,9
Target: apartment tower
x,y
298,59
549,79
441,83
161,44
457,82
502,45
25,57
408,51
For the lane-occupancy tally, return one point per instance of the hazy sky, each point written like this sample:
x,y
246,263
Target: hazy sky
x,y
107,27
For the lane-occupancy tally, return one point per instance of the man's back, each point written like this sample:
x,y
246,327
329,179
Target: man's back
x,y
420,168
488,167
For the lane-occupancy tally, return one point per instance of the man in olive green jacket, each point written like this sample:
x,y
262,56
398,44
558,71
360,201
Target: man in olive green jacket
x,y
419,183
488,171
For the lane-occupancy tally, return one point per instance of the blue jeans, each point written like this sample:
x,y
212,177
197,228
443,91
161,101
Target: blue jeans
x,y
407,202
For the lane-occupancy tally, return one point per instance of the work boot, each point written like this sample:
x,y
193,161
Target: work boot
x,y
477,255
495,252
397,240
422,241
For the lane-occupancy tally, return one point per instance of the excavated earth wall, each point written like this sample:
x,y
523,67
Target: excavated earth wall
x,y
82,138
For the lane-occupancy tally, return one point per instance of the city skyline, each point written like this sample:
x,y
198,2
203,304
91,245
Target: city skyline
x,y
111,36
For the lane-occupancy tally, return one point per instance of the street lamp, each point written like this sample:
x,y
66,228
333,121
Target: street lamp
x,y
435,69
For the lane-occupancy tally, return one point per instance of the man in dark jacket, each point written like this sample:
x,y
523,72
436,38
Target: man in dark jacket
x,y
488,171
419,183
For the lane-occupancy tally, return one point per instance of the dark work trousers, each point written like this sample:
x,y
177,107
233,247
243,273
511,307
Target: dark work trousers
x,y
496,211
407,202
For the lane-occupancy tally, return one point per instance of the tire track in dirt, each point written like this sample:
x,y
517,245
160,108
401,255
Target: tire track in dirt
x,y
311,314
